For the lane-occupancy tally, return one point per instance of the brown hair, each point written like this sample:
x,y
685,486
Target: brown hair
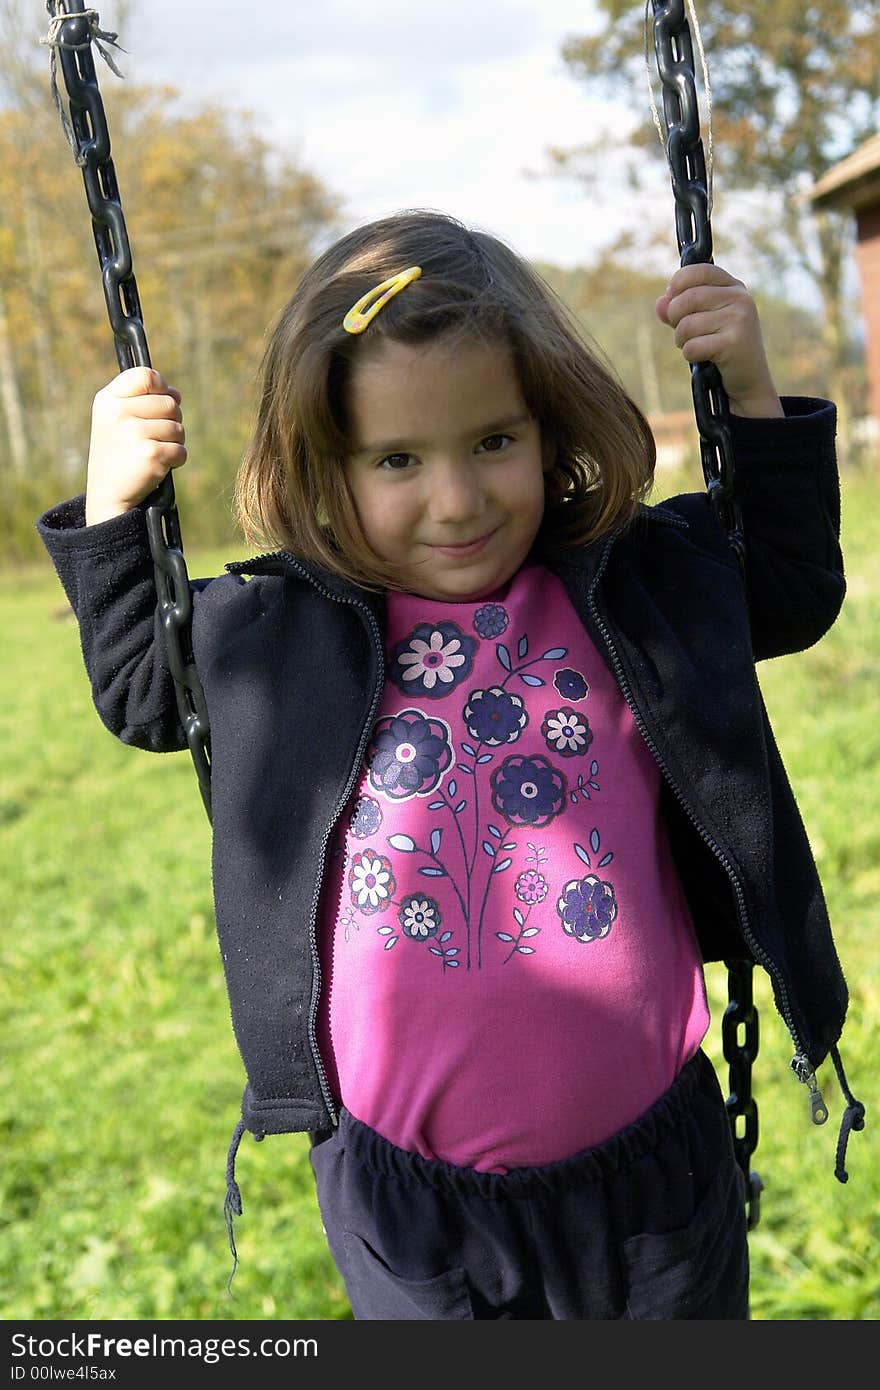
x,y
291,492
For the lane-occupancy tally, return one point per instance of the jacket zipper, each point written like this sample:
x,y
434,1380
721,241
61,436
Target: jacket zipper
x,y
800,1063
293,563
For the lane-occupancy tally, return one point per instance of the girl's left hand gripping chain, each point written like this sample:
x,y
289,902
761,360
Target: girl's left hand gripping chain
x,y
716,320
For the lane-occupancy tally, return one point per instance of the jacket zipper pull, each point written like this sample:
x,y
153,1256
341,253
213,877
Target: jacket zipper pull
x,y
818,1109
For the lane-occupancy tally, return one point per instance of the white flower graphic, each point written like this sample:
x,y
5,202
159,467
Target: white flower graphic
x,y
567,732
432,660
419,917
370,881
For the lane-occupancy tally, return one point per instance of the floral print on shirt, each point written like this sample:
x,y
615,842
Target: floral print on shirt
x,y
485,793
432,660
408,754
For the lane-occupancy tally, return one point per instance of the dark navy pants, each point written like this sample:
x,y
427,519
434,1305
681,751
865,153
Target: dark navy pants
x,y
649,1225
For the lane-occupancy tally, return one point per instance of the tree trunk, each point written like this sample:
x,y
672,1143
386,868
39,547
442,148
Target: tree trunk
x,y
648,371
42,341
11,397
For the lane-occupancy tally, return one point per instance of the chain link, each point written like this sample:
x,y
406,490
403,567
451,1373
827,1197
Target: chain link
x,y
71,36
687,166
739,1055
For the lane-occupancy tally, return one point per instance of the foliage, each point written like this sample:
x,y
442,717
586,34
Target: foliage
x,y
220,229
795,88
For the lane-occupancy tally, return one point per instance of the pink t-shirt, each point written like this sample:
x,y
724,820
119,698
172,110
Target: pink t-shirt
x,y
510,968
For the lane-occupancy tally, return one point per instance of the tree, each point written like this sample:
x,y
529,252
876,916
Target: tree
x,y
795,87
220,228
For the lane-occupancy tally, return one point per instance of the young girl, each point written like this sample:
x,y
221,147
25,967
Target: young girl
x,y
491,773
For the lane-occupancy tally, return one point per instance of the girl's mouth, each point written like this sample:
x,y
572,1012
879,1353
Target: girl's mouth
x,y
465,547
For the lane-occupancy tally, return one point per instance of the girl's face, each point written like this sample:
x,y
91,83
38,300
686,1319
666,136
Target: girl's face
x,y
446,466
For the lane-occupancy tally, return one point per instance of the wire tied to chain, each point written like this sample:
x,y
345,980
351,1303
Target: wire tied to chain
x,y
54,39
663,134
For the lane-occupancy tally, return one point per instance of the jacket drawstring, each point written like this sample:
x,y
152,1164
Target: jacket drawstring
x,y
853,1118
232,1203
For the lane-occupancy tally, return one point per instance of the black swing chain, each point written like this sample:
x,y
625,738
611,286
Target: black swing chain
x,y
73,30
687,166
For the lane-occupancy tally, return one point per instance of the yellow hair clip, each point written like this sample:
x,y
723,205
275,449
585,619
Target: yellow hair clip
x,y
359,315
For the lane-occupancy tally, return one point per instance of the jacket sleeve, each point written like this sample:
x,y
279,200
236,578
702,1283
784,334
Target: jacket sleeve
x,y
787,485
106,571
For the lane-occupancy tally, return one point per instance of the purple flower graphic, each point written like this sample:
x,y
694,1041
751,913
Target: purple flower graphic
x,y
570,684
530,887
587,908
408,754
419,917
528,791
566,732
432,660
366,817
491,620
494,716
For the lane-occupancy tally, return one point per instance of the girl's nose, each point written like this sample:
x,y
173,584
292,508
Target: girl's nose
x,y
456,494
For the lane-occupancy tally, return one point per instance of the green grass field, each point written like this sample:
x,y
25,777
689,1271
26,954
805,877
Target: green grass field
x,y
123,1083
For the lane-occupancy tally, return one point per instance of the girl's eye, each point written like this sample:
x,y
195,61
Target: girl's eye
x,y
494,443
396,463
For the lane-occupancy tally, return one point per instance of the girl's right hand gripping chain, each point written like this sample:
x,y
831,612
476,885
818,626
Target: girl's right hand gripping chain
x,y
137,437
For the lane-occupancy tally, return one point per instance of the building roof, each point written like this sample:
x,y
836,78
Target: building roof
x,y
854,182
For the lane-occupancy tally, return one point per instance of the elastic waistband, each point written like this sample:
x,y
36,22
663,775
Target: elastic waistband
x,y
594,1164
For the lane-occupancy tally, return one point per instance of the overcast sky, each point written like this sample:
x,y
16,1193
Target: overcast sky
x,y
398,104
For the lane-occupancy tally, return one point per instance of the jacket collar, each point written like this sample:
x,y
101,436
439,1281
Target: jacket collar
x,y
584,560
284,562
580,564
